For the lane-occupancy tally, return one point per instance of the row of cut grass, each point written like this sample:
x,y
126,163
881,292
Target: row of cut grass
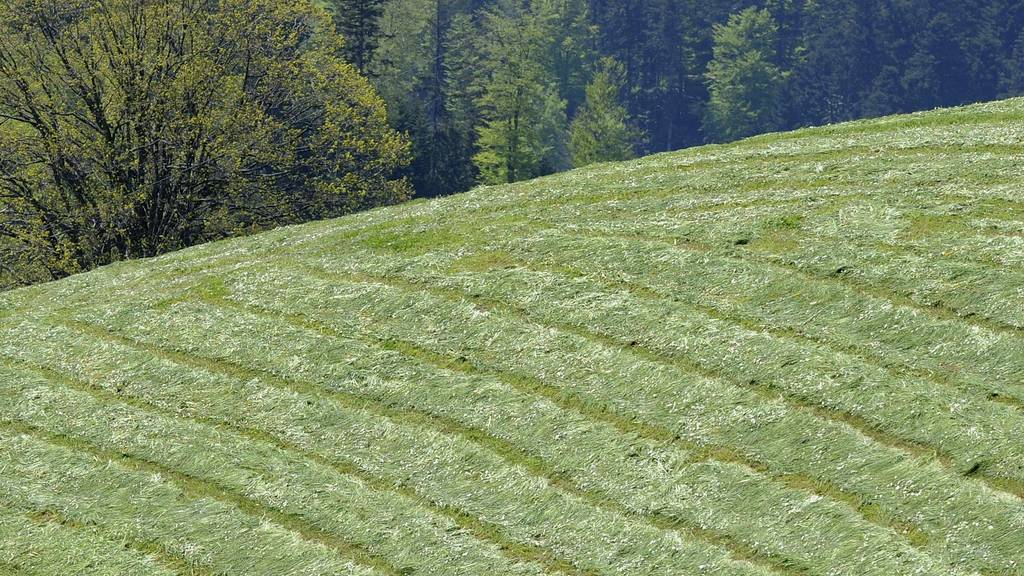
x,y
872,490
594,457
48,474
313,498
300,422
899,335
455,478
944,272
42,545
995,460
979,435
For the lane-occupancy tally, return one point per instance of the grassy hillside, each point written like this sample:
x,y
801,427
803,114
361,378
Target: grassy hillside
x,y
798,354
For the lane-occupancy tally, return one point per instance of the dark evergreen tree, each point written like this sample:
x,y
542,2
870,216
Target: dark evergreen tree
x,y
601,132
936,73
1011,81
574,50
646,37
427,43
358,22
461,94
841,59
746,85
1011,70
523,122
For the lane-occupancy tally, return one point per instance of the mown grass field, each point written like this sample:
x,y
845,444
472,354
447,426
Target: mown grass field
x,y
799,354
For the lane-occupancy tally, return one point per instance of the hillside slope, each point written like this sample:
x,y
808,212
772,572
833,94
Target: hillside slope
x,y
798,354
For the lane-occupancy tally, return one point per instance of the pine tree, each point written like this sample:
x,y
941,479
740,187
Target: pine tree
x,y
426,63
1011,72
358,22
745,84
601,131
846,46
936,73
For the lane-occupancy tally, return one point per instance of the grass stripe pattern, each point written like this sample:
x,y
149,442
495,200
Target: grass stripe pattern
x,y
799,354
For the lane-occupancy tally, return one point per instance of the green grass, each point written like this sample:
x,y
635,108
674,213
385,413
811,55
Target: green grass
x,y
799,354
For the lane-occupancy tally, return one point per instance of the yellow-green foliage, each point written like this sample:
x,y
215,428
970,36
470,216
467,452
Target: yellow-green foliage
x,y
133,127
799,354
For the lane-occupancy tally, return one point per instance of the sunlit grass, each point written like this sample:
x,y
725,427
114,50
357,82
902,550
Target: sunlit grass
x,y
798,354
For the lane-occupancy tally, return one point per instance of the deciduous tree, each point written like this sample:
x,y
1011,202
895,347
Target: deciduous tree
x,y
133,127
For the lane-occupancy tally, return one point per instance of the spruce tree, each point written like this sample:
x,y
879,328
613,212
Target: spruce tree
x,y
647,37
358,22
574,50
745,85
601,131
852,59
461,92
1011,81
522,134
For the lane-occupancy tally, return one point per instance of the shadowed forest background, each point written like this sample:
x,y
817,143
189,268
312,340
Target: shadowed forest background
x,y
504,90
130,128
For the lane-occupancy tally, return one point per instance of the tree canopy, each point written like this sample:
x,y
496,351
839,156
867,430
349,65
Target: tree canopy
x,y
521,134
359,23
695,71
745,85
133,127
